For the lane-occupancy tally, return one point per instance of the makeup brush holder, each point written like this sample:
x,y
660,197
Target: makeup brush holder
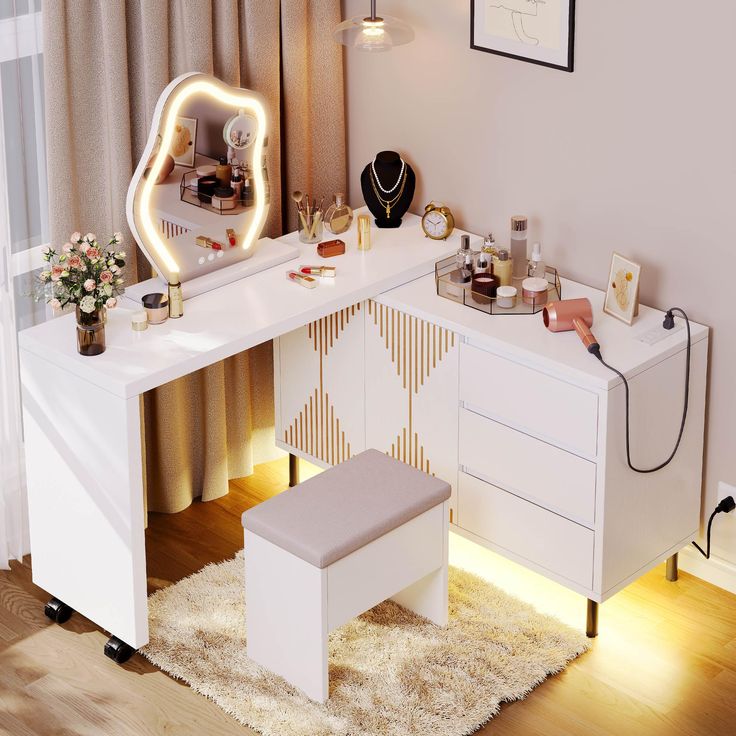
x,y
311,227
450,285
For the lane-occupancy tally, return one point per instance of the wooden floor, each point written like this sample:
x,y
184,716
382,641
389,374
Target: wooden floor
x,y
664,664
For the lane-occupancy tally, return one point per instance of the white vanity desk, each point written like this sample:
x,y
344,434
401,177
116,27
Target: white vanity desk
x,y
83,442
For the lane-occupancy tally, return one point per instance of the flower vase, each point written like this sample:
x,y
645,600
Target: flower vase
x,y
90,332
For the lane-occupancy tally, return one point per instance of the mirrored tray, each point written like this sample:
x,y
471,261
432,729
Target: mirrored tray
x,y
463,294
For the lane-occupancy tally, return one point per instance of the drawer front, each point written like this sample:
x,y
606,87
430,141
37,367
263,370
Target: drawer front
x,y
533,402
540,472
526,530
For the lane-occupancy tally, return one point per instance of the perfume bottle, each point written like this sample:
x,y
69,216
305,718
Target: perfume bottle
x,y
502,267
537,267
463,251
247,188
518,247
237,184
338,216
489,244
176,299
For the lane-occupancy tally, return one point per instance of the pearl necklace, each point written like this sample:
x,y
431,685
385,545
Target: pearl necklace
x,y
378,181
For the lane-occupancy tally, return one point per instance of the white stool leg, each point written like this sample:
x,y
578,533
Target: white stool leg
x,y
428,596
286,616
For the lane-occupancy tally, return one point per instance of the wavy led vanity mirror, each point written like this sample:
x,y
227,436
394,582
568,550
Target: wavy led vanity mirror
x,y
185,205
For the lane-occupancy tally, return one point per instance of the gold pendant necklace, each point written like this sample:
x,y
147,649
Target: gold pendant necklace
x,y
387,203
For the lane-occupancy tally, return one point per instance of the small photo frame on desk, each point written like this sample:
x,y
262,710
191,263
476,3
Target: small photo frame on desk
x,y
622,290
539,31
184,141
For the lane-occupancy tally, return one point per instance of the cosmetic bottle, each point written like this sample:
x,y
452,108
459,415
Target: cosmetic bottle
x,y
518,247
463,251
483,262
176,300
502,267
537,267
224,172
247,188
489,244
338,216
236,183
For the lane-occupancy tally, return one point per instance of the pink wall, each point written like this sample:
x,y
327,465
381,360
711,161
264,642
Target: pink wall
x,y
635,151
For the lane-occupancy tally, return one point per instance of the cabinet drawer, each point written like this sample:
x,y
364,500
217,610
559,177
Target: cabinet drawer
x,y
546,475
526,530
532,401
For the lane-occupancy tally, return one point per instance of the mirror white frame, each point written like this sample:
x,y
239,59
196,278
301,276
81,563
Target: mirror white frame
x,y
140,192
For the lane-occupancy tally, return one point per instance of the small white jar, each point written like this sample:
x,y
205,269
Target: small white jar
x,y
506,297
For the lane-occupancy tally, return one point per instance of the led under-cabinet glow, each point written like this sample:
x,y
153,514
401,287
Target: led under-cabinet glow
x,y
239,99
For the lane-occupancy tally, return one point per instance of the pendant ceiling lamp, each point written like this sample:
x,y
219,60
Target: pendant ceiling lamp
x,y
374,33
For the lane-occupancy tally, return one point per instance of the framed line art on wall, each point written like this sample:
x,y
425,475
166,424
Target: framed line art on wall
x,y
622,289
539,31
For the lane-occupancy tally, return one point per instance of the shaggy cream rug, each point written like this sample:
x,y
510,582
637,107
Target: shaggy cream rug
x,y
392,673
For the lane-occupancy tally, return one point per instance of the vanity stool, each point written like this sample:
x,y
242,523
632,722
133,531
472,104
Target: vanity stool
x,y
333,547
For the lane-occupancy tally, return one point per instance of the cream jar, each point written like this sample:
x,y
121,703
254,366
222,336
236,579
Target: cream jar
x,y
157,308
534,291
506,297
223,198
206,170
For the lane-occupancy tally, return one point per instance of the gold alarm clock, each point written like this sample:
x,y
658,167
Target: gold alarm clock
x,y
437,221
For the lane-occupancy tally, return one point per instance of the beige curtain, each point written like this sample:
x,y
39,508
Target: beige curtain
x,y
105,64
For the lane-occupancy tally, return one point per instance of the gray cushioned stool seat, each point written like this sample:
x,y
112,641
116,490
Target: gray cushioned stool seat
x,y
341,510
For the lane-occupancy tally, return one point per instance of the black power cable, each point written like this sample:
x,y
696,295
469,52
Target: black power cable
x,y
727,505
669,323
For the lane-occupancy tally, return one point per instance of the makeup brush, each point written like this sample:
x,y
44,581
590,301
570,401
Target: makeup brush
x,y
298,196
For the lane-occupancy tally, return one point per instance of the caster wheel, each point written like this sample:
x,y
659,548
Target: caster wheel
x,y
118,651
58,611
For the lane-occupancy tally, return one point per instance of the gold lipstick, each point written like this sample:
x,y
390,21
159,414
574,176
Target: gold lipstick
x,y
326,271
299,278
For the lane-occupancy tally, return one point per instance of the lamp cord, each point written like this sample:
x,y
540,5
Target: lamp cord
x,y
669,320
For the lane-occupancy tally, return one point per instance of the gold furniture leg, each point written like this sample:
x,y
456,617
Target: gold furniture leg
x,y
293,470
672,568
591,628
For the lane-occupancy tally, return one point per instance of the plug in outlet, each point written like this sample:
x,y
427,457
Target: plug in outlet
x,y
725,490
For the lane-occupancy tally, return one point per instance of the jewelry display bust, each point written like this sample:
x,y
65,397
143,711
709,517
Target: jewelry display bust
x,y
388,184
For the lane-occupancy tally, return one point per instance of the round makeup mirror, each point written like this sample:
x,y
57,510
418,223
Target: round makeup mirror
x,y
240,130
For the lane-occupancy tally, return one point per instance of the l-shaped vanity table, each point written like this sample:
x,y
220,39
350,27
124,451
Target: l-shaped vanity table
x,y
526,426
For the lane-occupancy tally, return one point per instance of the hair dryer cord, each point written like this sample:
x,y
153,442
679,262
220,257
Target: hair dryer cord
x,y
668,324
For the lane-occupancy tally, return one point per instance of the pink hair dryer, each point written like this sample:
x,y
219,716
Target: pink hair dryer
x,y
572,314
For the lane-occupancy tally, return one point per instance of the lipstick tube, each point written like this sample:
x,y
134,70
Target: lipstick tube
x,y
231,238
327,271
204,242
302,279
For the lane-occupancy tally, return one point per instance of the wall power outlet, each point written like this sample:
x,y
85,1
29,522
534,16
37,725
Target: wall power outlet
x,y
725,490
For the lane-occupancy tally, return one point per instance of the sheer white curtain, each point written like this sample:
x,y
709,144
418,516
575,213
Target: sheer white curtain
x,y
23,232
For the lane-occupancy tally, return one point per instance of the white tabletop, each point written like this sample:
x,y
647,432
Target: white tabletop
x,y
242,314
525,338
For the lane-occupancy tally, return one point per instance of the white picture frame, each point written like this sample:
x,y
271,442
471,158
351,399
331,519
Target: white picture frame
x,y
539,31
184,141
622,289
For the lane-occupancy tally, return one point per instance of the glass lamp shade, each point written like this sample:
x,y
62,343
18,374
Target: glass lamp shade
x,y
379,34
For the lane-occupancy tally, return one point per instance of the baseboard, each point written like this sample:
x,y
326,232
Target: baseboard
x,y
716,570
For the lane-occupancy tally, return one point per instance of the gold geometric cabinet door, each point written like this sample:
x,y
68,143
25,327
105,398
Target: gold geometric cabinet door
x,y
320,384
411,392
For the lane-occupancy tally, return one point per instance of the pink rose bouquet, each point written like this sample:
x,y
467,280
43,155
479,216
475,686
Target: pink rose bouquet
x,y
84,273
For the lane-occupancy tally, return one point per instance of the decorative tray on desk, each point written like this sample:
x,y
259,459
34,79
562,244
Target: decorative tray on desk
x,y
189,194
463,294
